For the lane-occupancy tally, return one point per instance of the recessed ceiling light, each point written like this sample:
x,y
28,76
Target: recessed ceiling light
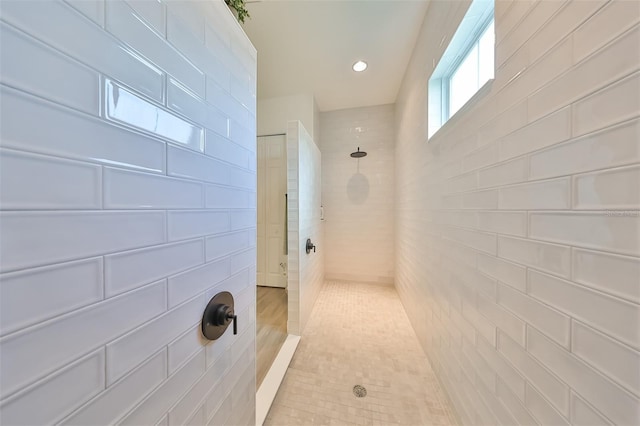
x,y
360,66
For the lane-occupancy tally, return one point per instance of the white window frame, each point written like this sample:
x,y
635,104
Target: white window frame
x,y
472,27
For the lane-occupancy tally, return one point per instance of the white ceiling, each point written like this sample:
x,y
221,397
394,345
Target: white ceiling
x,y
309,47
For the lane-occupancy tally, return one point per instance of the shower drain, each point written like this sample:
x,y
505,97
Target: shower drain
x,y
359,391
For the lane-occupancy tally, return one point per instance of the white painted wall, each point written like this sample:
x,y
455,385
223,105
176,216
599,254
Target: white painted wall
x,y
306,271
275,113
358,195
517,224
128,200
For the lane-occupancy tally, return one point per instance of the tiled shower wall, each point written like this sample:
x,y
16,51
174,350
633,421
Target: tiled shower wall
x,y
357,195
518,223
306,270
128,200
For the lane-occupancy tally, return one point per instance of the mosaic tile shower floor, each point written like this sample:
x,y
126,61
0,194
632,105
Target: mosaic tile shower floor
x,y
359,334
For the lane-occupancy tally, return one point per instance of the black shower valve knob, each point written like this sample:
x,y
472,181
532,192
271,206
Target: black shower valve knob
x,y
217,316
310,246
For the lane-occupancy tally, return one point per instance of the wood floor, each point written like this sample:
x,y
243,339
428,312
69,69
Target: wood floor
x,y
271,330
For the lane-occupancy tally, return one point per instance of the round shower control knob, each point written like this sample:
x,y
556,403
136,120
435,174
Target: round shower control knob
x,y
218,315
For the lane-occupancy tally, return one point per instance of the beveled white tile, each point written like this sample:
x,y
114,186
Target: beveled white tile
x,y
39,126
127,270
465,219
482,325
615,146
611,400
119,398
547,131
506,272
567,19
598,230
556,392
164,421
212,378
482,157
481,200
224,197
551,322
220,245
123,106
30,182
541,408
512,223
194,18
193,282
508,121
514,381
511,17
616,317
545,195
514,171
610,273
125,189
47,73
74,334
589,114
547,257
123,23
597,71
184,163
163,397
198,418
461,183
60,288
555,62
182,100
153,12
615,360
198,223
601,28
583,414
34,238
243,260
538,13
189,40
223,149
240,178
221,99
44,402
514,404
612,189
505,320
96,48
133,348
243,219
242,136
92,9
185,346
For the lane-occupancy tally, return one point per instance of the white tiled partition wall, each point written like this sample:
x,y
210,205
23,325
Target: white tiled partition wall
x,y
518,223
358,195
306,271
128,200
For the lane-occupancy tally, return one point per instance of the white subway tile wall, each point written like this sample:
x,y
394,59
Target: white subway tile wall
x,y
535,186
128,200
357,194
306,272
